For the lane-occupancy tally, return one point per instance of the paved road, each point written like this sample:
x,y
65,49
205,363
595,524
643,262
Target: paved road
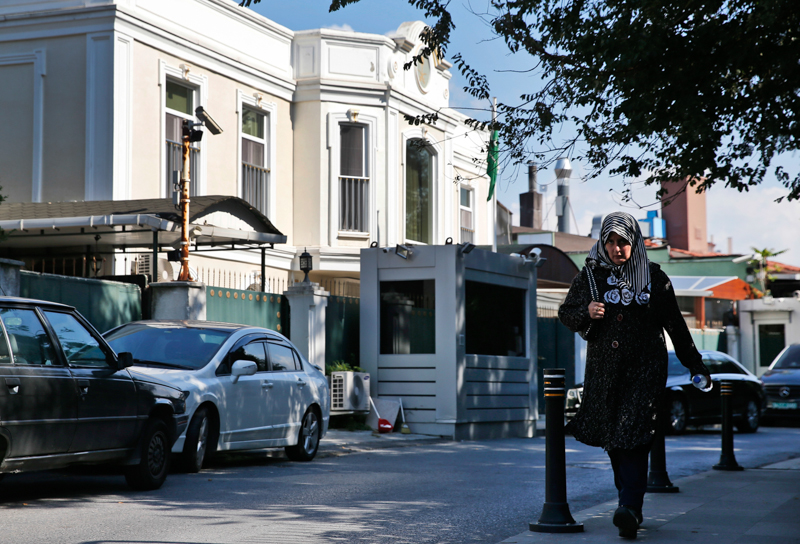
x,y
441,493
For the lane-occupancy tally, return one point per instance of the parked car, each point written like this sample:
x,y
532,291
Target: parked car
x,y
250,388
782,384
690,406
67,398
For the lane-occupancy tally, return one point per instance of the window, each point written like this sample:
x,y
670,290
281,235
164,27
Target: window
x,y
419,191
353,179
467,226
180,103
495,320
27,338
255,171
408,317
78,344
281,358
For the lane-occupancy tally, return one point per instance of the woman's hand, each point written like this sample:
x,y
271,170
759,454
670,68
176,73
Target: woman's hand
x,y
597,310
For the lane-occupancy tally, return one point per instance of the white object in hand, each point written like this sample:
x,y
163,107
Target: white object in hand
x,y
700,382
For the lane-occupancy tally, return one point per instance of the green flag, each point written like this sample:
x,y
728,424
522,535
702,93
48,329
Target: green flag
x,y
491,164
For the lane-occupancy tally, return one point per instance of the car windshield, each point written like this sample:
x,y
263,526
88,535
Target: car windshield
x,y
167,346
790,358
675,367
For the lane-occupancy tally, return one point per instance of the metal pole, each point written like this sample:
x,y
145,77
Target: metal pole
x,y
154,265
184,274
727,460
555,517
494,194
658,479
263,268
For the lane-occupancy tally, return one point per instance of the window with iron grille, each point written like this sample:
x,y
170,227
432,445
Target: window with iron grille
x,y
180,103
466,216
353,179
255,170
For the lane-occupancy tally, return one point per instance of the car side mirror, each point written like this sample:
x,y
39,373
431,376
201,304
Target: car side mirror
x,y
242,368
124,360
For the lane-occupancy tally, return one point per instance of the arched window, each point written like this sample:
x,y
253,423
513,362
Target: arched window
x,y
419,191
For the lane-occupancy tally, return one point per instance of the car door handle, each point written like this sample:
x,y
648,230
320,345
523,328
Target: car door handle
x,y
13,385
83,385
266,385
300,383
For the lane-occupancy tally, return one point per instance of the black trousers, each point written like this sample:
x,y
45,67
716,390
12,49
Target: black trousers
x,y
630,475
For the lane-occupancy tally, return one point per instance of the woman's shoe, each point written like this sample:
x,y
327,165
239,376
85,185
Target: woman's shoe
x,y
626,520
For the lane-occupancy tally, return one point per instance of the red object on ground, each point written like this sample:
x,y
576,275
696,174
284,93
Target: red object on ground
x,y
384,426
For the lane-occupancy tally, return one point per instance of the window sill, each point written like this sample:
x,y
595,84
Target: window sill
x,y
352,235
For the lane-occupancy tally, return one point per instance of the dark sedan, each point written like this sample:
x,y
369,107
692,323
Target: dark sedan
x,y
690,406
67,398
782,384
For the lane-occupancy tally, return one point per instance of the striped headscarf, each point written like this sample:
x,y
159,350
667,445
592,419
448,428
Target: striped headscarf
x,y
634,274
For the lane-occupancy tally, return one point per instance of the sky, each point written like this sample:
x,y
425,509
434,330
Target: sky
x,y
750,219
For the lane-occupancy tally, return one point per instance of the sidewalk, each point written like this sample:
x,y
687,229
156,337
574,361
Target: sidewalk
x,y
755,506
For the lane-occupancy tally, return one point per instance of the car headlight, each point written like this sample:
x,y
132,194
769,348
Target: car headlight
x,y
179,404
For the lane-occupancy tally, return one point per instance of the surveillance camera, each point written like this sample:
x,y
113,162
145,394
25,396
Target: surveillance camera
x,y
209,123
536,251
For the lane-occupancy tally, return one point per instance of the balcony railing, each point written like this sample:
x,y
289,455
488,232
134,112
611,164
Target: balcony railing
x,y
354,204
254,186
175,162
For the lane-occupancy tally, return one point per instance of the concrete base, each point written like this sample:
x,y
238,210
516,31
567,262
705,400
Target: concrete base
x,y
183,300
9,277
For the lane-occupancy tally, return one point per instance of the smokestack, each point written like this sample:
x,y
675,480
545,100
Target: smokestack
x,y
532,171
530,203
563,172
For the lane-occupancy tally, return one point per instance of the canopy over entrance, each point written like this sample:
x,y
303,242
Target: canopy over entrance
x,y
217,223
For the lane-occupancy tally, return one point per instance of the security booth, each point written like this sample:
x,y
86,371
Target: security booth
x,y
451,330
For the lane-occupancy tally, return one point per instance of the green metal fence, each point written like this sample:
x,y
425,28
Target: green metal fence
x,y
268,310
709,339
556,350
106,304
342,330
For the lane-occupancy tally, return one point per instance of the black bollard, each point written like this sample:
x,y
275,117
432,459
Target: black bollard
x,y
555,517
658,479
727,460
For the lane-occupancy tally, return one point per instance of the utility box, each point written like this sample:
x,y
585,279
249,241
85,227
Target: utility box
x,y
451,330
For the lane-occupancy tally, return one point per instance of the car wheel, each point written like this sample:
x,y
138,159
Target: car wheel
x,y
151,470
199,444
677,416
308,438
750,419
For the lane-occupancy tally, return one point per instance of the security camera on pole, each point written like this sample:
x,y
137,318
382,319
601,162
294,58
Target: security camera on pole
x,y
190,134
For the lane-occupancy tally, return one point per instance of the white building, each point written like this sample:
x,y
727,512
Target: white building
x,y
93,93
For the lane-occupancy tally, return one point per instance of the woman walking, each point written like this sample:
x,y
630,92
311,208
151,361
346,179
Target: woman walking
x,y
621,303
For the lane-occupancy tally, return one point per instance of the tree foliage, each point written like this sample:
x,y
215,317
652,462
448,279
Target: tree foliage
x,y
655,89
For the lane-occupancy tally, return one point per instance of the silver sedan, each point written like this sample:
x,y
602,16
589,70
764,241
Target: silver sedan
x,y
249,387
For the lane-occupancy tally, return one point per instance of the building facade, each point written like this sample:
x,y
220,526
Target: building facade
x,y
315,131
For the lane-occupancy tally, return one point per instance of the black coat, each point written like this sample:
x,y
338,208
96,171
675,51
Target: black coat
x,y
626,360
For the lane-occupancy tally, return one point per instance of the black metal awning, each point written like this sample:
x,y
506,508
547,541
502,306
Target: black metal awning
x,y
216,222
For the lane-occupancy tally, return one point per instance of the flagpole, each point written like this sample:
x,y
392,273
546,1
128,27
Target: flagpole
x,y
494,193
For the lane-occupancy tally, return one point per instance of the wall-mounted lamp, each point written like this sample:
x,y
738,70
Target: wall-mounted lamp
x,y
306,264
402,251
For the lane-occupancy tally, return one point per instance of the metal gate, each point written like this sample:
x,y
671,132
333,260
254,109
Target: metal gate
x,y
342,318
268,310
106,304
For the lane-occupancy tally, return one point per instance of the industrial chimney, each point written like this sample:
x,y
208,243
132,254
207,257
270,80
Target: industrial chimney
x,y
563,172
530,203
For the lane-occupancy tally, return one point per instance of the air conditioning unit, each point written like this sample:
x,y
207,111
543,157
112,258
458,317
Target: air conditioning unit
x,y
349,392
